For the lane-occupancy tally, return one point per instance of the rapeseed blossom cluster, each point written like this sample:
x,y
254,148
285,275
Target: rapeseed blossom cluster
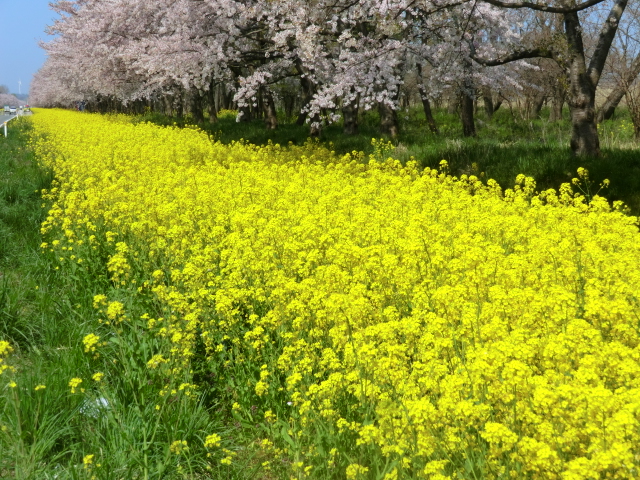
x,y
5,350
390,322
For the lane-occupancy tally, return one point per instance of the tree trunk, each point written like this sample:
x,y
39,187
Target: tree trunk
x,y
582,94
453,104
616,95
196,106
557,104
211,104
289,101
487,98
302,117
309,90
426,105
610,104
467,98
166,105
350,117
536,106
388,120
270,116
466,114
350,105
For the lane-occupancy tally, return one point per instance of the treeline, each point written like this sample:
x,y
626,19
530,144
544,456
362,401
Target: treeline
x,y
327,60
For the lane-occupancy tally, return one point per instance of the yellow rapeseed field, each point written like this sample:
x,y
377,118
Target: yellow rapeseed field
x,y
386,322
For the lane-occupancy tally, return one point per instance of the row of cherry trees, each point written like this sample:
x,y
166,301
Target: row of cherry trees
x,y
326,59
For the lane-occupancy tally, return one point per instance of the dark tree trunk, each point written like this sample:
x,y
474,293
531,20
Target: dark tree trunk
x,y
289,102
196,106
350,116
536,106
467,100
616,95
183,104
557,104
466,114
426,105
388,120
582,94
246,115
610,104
487,98
453,105
309,90
166,104
270,115
211,104
302,117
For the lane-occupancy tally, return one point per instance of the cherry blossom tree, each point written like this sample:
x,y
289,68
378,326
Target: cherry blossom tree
x,y
346,55
584,76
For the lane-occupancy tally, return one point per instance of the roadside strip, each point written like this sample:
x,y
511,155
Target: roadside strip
x,y
5,125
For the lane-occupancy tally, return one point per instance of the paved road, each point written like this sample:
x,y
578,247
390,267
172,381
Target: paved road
x,y
4,118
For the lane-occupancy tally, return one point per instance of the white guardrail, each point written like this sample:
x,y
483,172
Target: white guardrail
x,y
7,121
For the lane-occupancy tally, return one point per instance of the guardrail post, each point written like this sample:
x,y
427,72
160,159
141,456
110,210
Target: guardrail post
x,y
5,129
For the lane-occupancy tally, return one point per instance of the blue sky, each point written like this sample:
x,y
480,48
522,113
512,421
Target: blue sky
x,y
22,24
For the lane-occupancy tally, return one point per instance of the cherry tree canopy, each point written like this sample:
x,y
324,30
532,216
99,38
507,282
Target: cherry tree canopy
x,y
344,54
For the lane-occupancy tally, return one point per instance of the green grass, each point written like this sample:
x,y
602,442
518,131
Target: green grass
x,y
45,313
505,146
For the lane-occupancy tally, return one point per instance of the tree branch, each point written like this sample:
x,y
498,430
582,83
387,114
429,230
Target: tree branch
x,y
512,57
605,40
544,8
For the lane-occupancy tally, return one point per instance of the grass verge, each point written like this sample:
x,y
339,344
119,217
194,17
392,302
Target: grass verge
x,y
65,410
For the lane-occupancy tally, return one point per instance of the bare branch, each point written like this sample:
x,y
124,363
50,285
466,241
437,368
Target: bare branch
x,y
512,57
605,40
544,8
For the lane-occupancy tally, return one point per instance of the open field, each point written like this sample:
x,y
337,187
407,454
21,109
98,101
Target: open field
x,y
174,307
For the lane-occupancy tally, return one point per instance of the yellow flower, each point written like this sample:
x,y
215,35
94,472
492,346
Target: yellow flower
x,y
115,311
212,441
90,342
40,387
88,461
74,383
97,377
179,447
439,306
99,300
355,471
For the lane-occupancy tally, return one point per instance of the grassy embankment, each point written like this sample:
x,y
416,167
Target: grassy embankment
x,y
46,429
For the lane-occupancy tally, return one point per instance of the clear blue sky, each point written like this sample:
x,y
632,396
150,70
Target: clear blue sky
x,y
22,24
